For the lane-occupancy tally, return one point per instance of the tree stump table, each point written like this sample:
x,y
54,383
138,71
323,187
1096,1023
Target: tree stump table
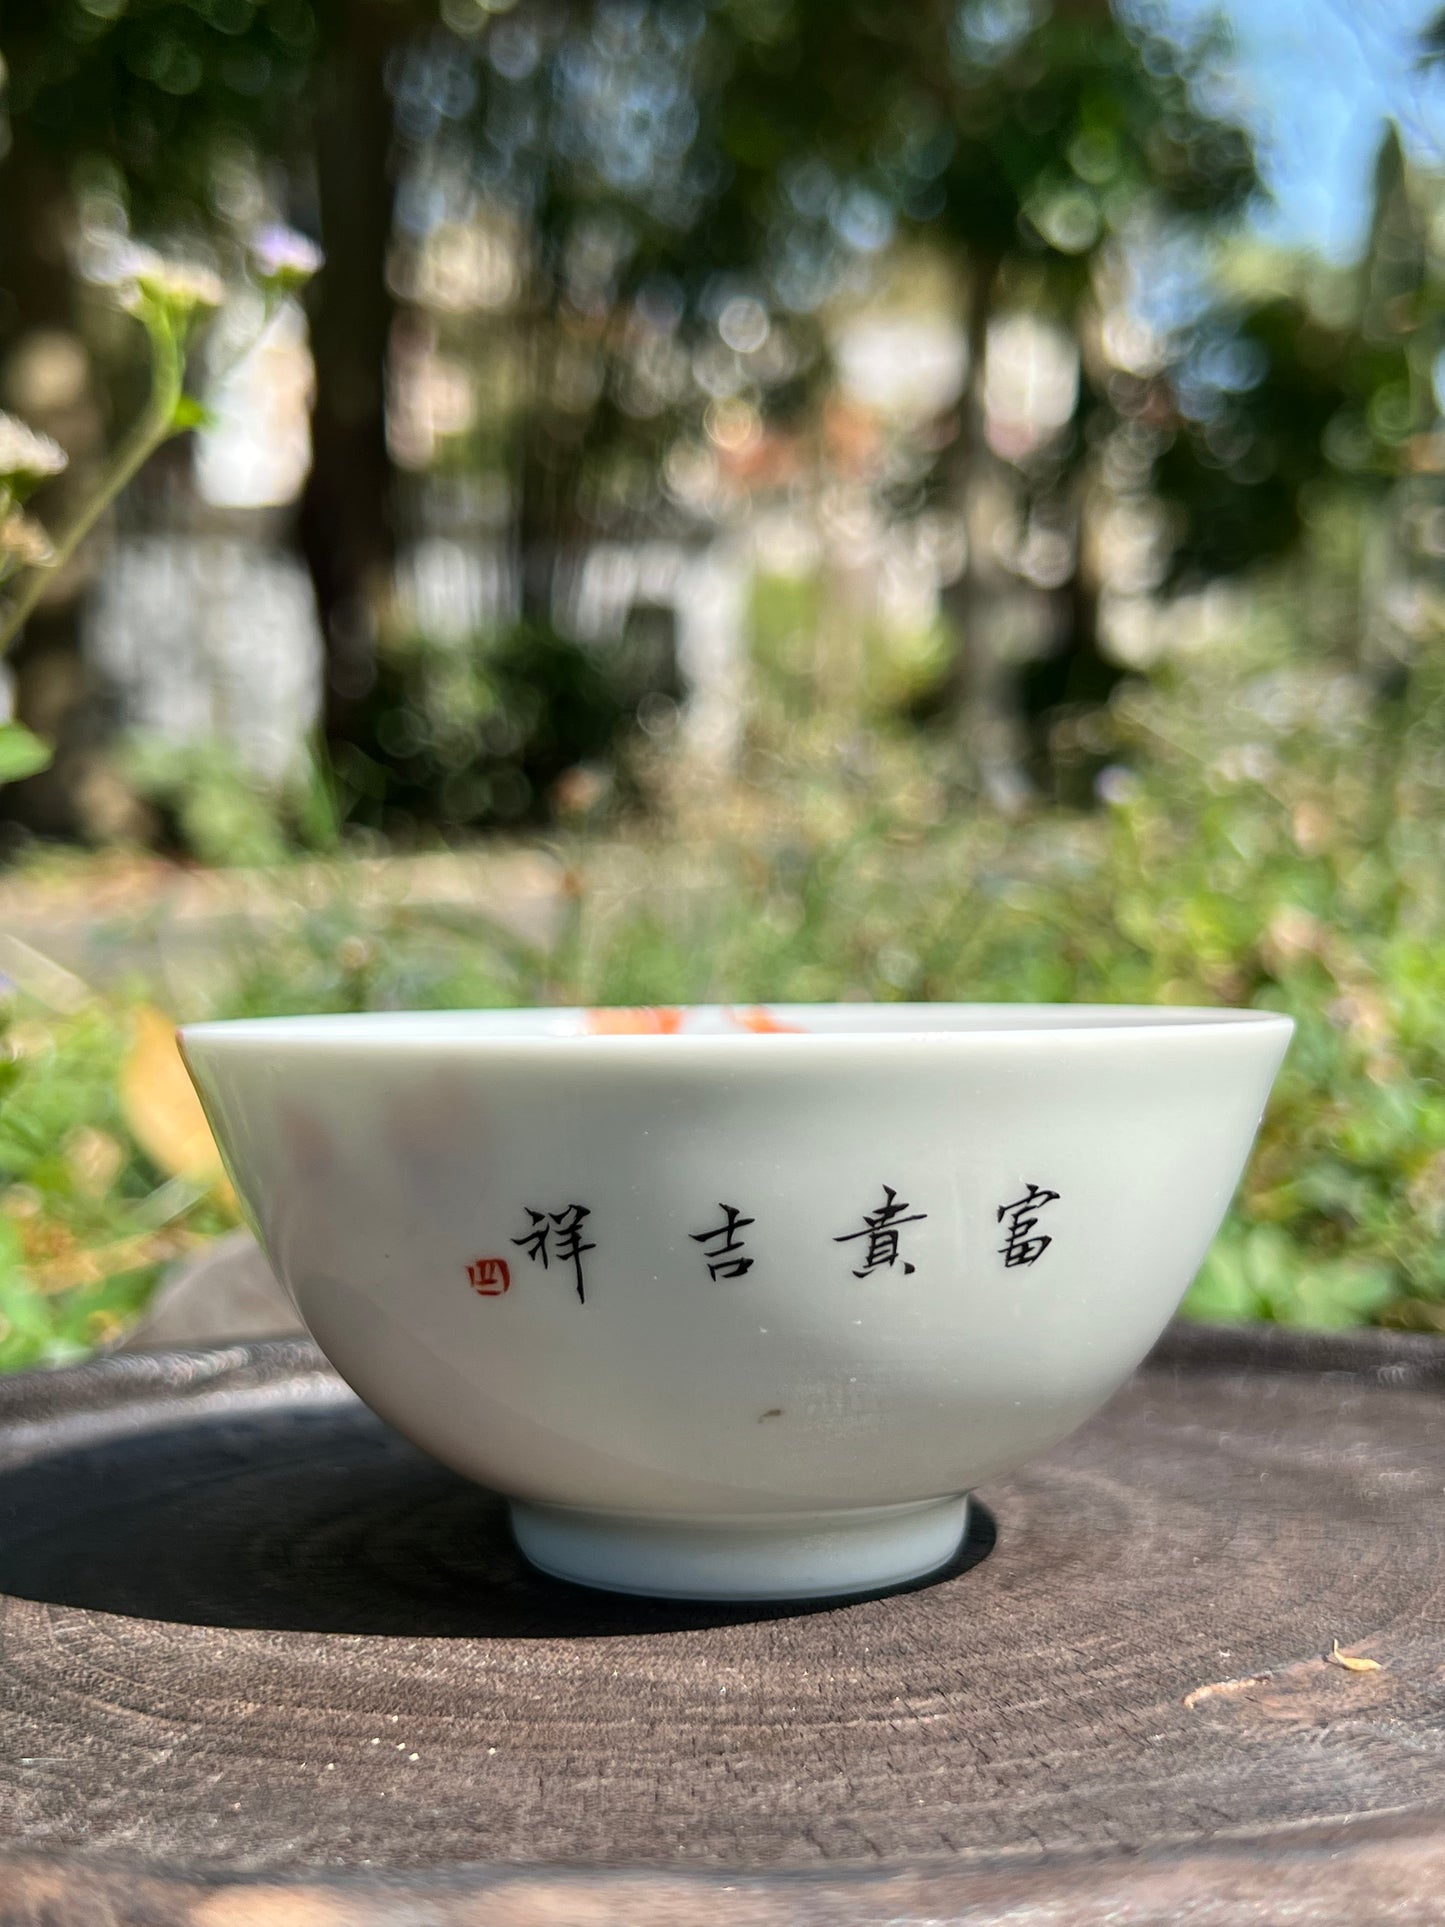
x,y
264,1663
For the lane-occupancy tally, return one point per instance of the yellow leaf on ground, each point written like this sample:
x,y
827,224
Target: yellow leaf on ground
x,y
1224,1688
1352,1662
161,1107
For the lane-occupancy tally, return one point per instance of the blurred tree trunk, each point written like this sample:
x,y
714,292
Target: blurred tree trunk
x,y
982,697
35,210
539,489
346,524
547,448
53,693
1075,674
967,457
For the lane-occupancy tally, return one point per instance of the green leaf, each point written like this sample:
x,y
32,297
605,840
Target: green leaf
x,y
1223,1293
1335,1296
21,753
190,413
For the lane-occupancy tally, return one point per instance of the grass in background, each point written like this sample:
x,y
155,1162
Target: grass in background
x,y
1269,836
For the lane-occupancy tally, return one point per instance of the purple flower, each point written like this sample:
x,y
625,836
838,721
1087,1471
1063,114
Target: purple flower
x,y
283,257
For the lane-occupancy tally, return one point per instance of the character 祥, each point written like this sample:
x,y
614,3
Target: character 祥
x,y
558,1235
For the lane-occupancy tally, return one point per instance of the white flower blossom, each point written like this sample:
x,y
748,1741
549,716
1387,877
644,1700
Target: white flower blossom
x,y
26,456
23,541
181,284
142,276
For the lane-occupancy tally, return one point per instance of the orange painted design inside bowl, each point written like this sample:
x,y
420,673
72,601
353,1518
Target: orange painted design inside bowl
x,y
763,1022
653,1022
658,1020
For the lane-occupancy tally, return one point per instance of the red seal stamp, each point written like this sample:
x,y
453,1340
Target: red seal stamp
x,y
489,1277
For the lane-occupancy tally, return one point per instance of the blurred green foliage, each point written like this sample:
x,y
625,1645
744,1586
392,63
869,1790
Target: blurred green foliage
x,y
666,209
673,197
475,732
208,804
621,239
159,89
1269,836
87,1222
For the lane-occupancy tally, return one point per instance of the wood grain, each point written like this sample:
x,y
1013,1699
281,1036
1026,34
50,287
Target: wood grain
x,y
1329,1877
254,1649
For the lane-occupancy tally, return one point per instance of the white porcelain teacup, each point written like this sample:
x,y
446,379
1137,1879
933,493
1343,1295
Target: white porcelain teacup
x,y
738,1303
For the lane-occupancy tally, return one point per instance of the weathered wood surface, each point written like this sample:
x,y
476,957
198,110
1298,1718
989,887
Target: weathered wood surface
x,y
1335,1877
254,1650
221,1295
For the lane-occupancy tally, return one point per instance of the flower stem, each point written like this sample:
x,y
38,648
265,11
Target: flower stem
x,y
155,424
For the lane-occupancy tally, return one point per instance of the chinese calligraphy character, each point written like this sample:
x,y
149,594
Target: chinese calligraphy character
x,y
880,1228
559,1235
489,1277
725,1259
1020,1247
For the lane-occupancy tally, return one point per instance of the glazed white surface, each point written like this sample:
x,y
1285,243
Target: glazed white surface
x,y
380,1157
400,1027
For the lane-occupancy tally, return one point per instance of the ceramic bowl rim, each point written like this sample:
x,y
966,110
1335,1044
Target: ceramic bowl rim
x,y
939,1026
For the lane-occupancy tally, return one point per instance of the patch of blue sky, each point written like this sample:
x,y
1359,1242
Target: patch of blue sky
x,y
1316,81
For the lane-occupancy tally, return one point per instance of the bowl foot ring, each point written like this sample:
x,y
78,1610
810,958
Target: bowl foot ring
x,y
814,1555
